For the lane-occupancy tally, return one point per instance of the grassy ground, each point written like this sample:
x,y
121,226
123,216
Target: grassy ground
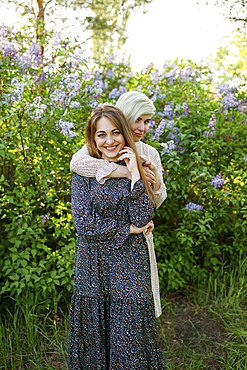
x,y
200,328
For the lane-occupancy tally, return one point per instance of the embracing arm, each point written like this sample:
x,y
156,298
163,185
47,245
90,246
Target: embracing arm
x,y
152,158
85,165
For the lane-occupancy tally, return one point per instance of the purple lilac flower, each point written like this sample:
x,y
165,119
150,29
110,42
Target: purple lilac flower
x,y
65,128
124,81
17,91
18,224
162,96
168,111
151,125
168,147
111,58
172,75
229,101
154,77
224,88
8,49
98,76
115,93
44,219
181,110
139,88
186,73
74,104
39,108
211,126
58,97
173,135
159,131
109,74
245,159
193,207
217,181
154,97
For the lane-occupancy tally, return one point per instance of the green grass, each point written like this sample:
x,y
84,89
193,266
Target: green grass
x,y
202,327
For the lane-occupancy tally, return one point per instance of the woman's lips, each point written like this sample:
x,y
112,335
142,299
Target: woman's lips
x,y
111,148
138,134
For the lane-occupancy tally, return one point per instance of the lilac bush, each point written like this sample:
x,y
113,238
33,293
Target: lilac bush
x,y
45,103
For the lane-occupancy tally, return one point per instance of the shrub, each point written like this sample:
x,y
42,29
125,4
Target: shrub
x,y
199,131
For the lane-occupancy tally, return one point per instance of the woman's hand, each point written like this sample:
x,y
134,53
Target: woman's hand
x,y
128,155
149,175
146,162
137,230
150,170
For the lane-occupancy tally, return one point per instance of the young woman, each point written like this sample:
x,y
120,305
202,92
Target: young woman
x,y
138,110
112,318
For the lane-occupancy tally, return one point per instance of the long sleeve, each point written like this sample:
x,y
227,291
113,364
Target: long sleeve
x,y
141,210
153,155
85,165
88,221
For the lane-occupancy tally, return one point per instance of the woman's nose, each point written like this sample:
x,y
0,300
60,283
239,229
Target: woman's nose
x,y
109,140
141,126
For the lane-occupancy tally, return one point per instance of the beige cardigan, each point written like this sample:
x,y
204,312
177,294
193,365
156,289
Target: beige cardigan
x,y
85,165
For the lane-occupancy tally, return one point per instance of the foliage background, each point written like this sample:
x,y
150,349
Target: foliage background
x,y
45,101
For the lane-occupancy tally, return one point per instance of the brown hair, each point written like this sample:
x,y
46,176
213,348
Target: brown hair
x,y
118,119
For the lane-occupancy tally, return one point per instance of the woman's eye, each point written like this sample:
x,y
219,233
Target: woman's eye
x,y
116,133
101,135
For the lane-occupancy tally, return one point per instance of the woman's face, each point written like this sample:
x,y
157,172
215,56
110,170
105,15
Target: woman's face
x,y
108,139
140,127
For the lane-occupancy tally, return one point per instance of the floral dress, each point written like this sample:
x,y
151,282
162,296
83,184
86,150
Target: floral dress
x,y
85,165
112,319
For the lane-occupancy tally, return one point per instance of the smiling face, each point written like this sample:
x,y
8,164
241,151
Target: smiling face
x,y
108,139
140,127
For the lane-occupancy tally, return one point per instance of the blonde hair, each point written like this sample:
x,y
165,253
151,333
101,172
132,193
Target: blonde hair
x,y
118,119
134,104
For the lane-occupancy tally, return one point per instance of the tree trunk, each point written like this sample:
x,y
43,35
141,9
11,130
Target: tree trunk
x,y
40,25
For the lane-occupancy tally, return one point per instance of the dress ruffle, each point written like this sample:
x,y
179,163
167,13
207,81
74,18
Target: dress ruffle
x,y
109,333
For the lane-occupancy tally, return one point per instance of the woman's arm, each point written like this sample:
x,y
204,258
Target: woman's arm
x,y
85,165
141,210
88,221
152,159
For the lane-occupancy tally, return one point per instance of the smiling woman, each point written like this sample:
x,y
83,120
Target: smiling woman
x,y
112,315
108,139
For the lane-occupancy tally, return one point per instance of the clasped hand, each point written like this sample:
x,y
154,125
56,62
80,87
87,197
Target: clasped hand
x,y
137,230
128,155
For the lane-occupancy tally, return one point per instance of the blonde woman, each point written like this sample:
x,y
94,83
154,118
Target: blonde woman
x,y
112,318
138,110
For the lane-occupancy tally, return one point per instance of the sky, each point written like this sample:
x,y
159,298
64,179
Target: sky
x,y
170,29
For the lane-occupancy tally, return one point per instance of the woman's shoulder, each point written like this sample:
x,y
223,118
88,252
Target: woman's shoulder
x,y
146,149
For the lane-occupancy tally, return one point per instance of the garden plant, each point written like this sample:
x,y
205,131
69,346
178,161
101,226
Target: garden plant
x,y
199,129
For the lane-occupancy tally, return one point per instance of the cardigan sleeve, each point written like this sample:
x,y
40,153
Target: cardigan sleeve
x,y
160,194
153,155
85,165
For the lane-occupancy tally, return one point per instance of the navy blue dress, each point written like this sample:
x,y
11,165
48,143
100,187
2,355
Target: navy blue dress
x,y
112,320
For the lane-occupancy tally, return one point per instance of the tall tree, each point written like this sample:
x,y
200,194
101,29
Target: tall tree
x,y
105,19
